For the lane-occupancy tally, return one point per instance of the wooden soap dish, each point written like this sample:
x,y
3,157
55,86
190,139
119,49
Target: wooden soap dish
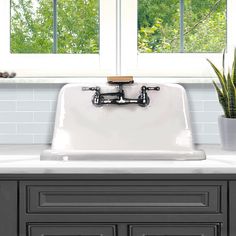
x,y
120,79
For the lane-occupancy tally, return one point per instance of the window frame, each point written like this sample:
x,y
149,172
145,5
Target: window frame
x,y
118,50
62,65
166,64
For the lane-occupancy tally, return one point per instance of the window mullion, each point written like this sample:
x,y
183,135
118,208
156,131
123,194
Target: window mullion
x,y
55,26
181,26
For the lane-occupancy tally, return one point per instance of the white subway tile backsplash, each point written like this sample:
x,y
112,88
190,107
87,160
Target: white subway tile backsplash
x,y
24,94
206,139
16,139
195,96
196,105
212,106
207,95
33,106
7,106
27,86
43,138
200,92
198,128
211,128
7,92
8,128
47,93
46,96
16,117
205,117
27,113
35,128
44,117
45,87
53,105
4,87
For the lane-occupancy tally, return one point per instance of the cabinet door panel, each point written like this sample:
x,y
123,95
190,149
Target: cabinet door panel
x,y
71,230
174,230
122,197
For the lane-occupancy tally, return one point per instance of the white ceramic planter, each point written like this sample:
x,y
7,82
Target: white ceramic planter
x,y
227,127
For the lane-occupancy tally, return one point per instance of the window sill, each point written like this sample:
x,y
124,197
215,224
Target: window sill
x,y
64,80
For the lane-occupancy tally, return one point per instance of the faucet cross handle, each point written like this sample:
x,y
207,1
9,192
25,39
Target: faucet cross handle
x,y
157,88
97,89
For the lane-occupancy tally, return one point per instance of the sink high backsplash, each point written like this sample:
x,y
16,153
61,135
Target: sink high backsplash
x,y
160,130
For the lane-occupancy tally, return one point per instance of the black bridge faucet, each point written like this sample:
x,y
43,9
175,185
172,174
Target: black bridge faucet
x,y
118,98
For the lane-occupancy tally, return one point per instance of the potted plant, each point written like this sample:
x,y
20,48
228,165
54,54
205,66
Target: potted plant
x,y
227,98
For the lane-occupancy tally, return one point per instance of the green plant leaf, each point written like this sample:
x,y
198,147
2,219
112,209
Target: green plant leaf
x,y
231,97
222,100
234,68
221,77
223,62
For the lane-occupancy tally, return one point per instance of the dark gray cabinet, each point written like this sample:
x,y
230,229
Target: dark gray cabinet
x,y
232,208
8,208
117,205
133,207
71,230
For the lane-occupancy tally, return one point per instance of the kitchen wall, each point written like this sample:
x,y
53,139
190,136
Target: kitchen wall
x,y
27,113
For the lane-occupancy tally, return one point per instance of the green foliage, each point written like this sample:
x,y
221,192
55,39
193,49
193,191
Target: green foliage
x,y
78,26
227,92
32,26
159,26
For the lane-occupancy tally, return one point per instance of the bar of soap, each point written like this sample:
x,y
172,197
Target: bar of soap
x,y
120,79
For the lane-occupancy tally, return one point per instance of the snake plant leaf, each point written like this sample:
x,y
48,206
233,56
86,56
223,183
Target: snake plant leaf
x,y
231,97
223,62
227,91
234,68
221,77
222,99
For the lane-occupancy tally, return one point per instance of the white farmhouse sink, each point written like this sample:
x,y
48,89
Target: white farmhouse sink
x,y
159,131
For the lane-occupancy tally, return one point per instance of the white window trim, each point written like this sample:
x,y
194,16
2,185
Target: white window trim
x,y
118,51
167,64
61,65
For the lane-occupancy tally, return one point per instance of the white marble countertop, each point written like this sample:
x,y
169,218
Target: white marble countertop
x,y
24,159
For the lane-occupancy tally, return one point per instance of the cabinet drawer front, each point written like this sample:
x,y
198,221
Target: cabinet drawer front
x,y
70,230
132,197
174,230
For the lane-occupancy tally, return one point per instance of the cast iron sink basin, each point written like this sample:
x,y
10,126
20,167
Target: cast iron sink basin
x,y
159,131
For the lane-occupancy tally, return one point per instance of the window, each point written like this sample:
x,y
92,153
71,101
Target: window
x,y
173,38
56,26
157,38
58,38
183,26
